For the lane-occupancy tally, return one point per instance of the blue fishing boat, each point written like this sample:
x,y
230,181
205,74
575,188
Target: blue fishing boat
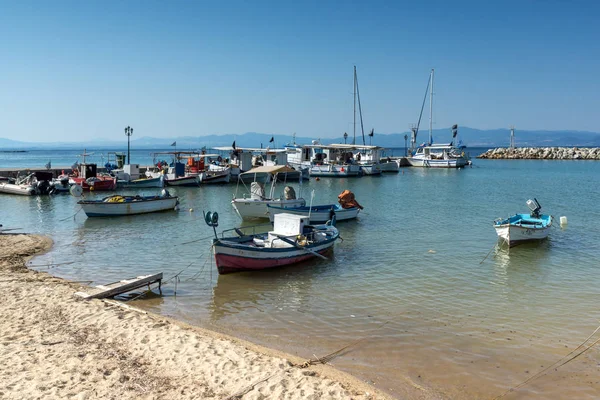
x,y
317,214
347,208
521,228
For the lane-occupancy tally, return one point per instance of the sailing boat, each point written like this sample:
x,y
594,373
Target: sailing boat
x,y
436,155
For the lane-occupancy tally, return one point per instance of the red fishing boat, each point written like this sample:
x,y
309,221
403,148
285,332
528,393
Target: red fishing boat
x,y
86,176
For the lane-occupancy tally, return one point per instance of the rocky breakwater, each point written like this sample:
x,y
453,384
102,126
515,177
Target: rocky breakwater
x,y
543,153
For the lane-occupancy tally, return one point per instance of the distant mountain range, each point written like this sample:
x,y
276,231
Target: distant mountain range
x,y
470,137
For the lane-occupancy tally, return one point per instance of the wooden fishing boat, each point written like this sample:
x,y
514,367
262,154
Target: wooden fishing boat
x,y
86,175
142,183
521,228
291,241
117,205
210,176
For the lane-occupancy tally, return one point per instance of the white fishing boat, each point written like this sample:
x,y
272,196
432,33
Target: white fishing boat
x,y
129,177
211,176
521,228
176,173
438,156
430,155
142,183
291,241
256,205
118,205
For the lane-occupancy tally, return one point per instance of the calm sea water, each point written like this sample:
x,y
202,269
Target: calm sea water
x,y
410,274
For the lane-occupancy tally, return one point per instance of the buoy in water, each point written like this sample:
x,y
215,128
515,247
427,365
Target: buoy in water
x,y
317,178
563,221
191,210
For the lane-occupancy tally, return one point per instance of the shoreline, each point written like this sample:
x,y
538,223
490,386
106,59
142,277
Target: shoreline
x,y
57,346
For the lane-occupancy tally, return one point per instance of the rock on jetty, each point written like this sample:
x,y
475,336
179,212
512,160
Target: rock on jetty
x,y
543,153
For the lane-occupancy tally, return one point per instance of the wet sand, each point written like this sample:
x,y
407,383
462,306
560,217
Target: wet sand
x,y
53,345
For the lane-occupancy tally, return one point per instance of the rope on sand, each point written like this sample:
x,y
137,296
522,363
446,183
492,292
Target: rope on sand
x,y
306,364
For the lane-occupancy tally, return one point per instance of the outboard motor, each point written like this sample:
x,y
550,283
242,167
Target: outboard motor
x,y
43,187
535,207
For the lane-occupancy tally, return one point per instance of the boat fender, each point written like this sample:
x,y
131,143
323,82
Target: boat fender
x,y
76,191
563,221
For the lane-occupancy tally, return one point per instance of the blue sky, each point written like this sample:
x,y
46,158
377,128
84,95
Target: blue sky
x,y
78,70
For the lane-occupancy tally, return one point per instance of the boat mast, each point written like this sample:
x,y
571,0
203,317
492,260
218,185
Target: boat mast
x,y
354,136
431,110
362,128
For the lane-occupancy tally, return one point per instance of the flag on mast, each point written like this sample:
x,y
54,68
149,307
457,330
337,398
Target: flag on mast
x,y
272,139
174,143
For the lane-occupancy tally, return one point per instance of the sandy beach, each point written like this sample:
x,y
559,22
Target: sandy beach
x,y
54,345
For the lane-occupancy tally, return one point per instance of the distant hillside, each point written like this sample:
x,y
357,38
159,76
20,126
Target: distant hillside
x,y
470,137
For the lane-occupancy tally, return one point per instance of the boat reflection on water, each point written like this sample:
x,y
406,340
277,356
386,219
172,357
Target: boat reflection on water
x,y
288,287
515,265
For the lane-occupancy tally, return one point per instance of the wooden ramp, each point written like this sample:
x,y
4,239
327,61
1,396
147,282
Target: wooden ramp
x,y
116,288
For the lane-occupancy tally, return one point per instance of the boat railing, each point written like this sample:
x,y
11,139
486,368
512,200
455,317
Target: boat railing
x,y
244,229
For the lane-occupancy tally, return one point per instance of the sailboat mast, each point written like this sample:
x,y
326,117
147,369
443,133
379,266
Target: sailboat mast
x,y
354,136
431,110
362,127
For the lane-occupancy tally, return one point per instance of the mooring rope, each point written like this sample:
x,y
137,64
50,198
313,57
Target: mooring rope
x,y
72,216
556,365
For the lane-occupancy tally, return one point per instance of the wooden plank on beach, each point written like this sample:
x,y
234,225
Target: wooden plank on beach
x,y
123,286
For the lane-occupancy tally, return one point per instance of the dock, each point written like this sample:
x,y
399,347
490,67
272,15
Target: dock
x,y
123,286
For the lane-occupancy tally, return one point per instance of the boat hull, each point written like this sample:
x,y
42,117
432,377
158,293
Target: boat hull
x,y
318,214
100,208
214,177
100,184
437,163
389,166
142,183
23,190
515,234
370,169
337,171
251,208
183,181
231,258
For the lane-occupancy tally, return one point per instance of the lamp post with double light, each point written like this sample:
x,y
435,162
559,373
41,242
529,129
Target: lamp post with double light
x,y
128,132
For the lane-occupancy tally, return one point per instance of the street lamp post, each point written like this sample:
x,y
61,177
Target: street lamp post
x,y
128,132
405,145
345,137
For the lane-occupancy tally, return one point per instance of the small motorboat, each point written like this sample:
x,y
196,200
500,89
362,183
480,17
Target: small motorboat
x,y
38,182
291,241
256,205
118,205
524,227
60,184
347,208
